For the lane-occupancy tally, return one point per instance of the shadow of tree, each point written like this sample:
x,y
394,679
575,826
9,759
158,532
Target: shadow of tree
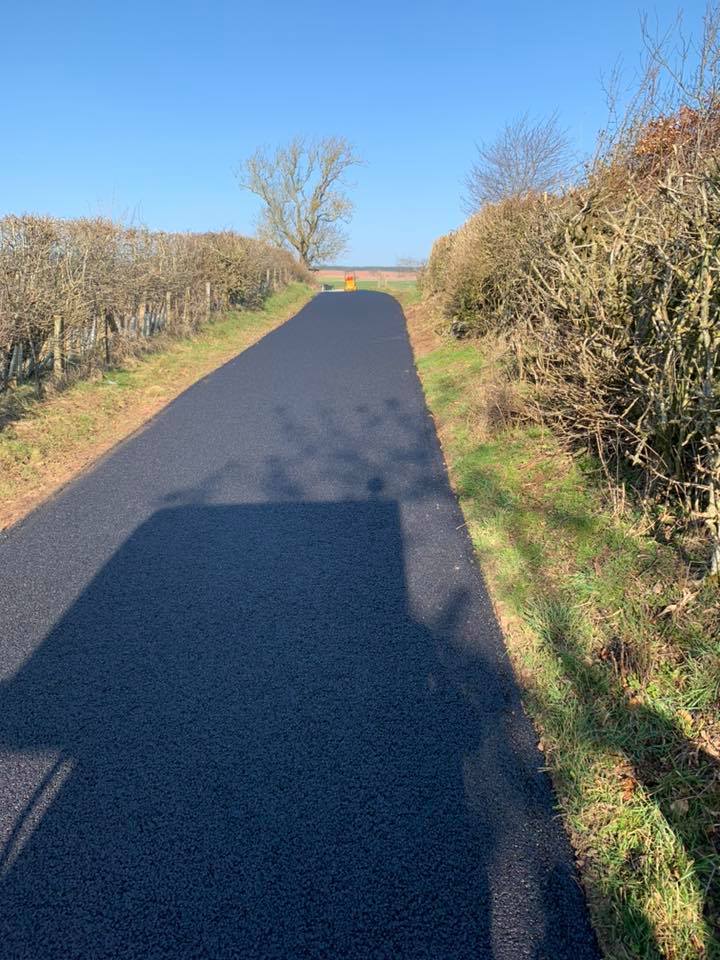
x,y
607,715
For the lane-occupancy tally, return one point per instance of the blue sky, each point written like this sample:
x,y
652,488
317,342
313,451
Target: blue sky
x,y
144,110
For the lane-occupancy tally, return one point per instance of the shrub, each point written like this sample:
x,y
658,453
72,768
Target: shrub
x,y
76,292
609,298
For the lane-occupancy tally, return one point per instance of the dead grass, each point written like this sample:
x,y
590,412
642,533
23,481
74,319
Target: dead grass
x,y
423,324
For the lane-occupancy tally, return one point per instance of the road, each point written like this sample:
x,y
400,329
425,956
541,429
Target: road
x,y
253,699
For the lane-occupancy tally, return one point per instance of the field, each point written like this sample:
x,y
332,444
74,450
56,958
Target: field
x,y
377,275
400,283
393,281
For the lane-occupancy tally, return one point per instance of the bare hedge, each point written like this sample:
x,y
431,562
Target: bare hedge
x,y
610,300
75,293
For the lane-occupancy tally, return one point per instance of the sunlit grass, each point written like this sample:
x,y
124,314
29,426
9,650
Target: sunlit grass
x,y
619,655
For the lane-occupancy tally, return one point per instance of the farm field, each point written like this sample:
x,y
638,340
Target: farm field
x,y
366,274
370,279
400,283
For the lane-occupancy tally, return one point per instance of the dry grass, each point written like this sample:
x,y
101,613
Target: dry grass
x,y
423,323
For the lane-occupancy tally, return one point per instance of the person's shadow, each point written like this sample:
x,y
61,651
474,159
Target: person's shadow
x,y
244,746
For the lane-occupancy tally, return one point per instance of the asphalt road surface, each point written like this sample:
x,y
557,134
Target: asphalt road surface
x,y
253,700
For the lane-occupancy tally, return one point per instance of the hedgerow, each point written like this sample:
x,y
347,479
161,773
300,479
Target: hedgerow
x,y
78,293
608,297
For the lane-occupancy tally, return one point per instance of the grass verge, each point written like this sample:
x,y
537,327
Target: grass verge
x,y
617,649
45,443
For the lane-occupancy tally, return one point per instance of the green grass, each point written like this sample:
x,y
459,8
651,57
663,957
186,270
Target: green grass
x,y
624,689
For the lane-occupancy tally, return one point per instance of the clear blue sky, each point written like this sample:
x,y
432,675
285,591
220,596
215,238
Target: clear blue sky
x,y
144,110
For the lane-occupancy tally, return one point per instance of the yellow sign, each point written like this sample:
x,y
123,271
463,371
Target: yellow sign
x,y
350,281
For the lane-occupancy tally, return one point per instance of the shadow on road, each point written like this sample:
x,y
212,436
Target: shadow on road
x,y
243,746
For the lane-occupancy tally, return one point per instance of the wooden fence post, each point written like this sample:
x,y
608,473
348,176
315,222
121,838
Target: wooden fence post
x,y
208,301
13,367
58,348
106,331
186,308
19,362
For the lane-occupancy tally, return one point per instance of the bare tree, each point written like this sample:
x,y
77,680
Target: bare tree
x,y
529,156
302,186
678,91
410,263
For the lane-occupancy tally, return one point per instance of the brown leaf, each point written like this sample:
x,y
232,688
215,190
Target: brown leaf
x,y
629,785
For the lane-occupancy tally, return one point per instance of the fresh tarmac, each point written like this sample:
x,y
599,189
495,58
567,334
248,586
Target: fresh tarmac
x,y
253,699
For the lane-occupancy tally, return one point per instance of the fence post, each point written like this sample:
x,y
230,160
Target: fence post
x,y
186,309
19,362
58,345
13,365
106,331
168,309
208,291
